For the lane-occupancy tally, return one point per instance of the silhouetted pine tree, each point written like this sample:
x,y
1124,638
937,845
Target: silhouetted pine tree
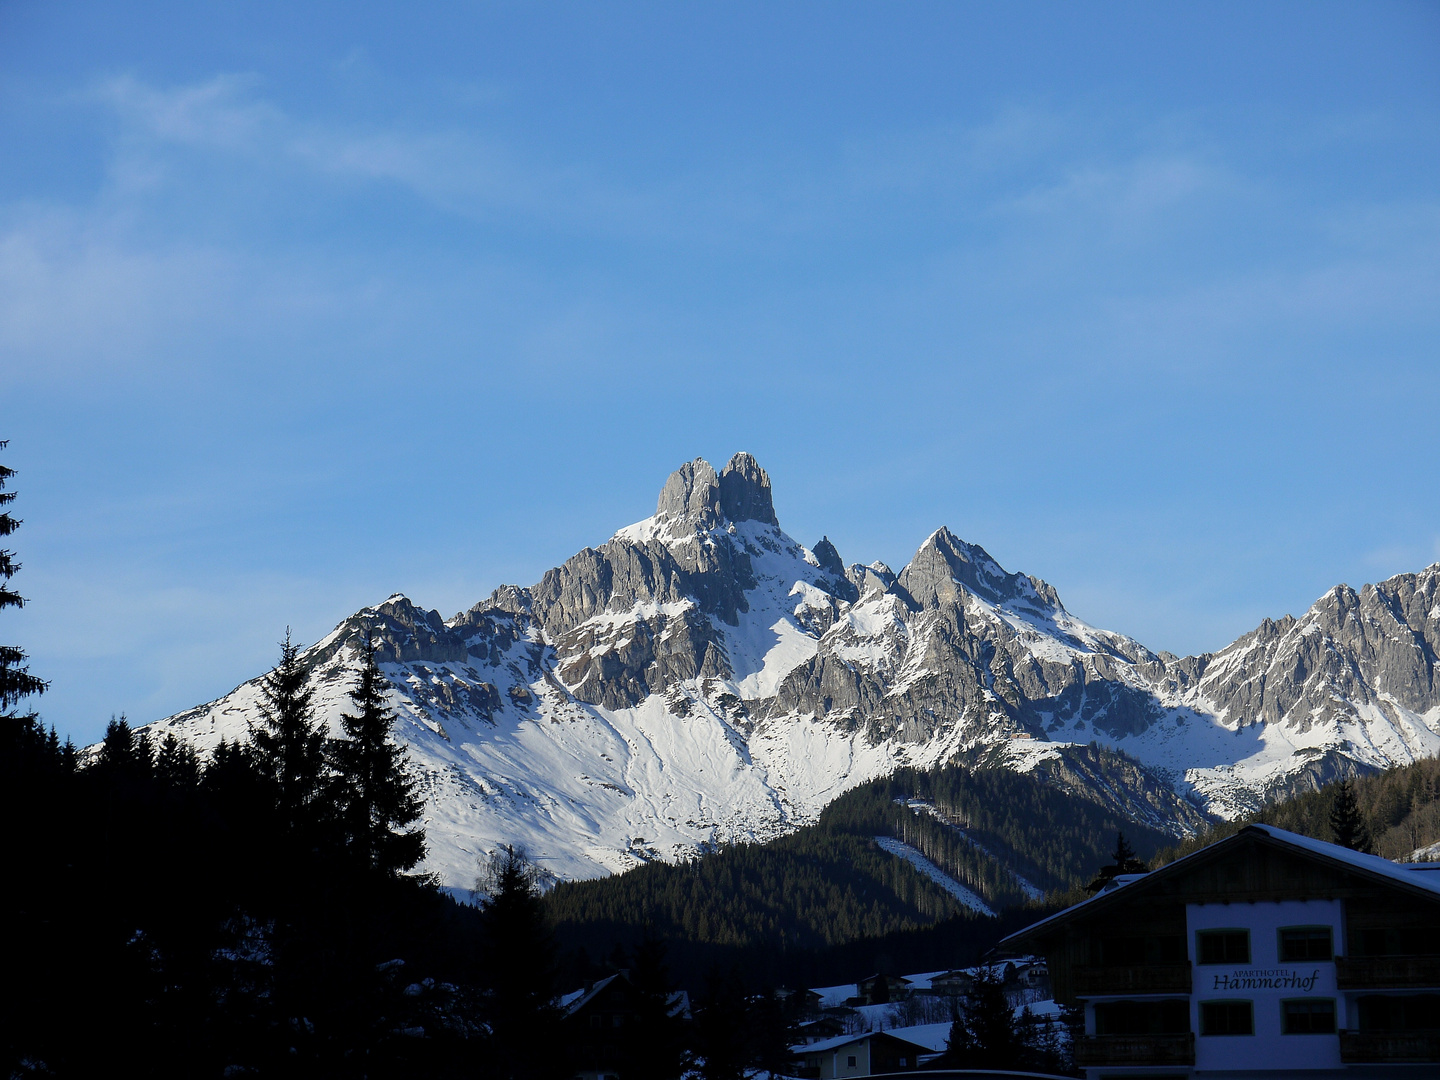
x,y
988,1036
125,754
176,765
16,682
375,796
657,1043
958,1045
1123,862
768,1031
288,745
519,971
720,1027
1346,822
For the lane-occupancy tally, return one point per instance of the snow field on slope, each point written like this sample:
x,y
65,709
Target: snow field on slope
x,y
1030,891
935,874
769,642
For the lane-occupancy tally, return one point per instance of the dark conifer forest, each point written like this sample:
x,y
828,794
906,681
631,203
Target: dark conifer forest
x,y
827,899
1390,813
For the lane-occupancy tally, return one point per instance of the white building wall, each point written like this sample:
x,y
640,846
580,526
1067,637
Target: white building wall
x,y
1265,982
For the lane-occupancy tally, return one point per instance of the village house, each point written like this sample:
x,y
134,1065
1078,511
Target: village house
x,y
814,1031
868,1054
800,1002
1266,954
881,990
1025,982
957,983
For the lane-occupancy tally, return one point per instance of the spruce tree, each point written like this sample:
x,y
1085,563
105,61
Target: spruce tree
x,y
176,765
1123,861
16,682
720,1027
988,1036
959,1047
519,972
289,746
124,752
375,795
655,1046
1346,822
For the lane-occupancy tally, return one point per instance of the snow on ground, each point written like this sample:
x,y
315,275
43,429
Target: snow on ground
x,y
1048,1010
935,874
1427,854
1030,891
933,1037
769,641
1254,757
832,997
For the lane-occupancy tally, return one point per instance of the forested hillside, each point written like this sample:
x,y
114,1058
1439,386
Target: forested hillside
x,y
1399,813
992,830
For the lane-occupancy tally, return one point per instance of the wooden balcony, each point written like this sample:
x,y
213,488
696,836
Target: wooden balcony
x,y
1139,979
1102,1050
1386,972
1389,1047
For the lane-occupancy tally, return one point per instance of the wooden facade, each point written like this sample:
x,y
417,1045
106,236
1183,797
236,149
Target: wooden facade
x,y
1132,954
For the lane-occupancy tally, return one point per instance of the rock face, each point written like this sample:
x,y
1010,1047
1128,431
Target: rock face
x,y
745,491
701,677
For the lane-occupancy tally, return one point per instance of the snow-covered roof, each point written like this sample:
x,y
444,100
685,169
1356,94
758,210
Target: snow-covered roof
x,y
578,999
830,996
895,1033
678,1001
931,1036
1412,877
1373,864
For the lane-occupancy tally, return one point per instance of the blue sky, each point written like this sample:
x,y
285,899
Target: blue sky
x,y
299,308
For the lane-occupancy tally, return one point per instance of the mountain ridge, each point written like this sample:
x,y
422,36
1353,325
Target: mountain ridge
x,y
700,676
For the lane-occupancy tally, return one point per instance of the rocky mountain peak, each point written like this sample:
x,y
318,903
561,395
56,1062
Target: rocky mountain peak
x,y
685,686
828,557
695,496
875,578
691,496
945,562
745,491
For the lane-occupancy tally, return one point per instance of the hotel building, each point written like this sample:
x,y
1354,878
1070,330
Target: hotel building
x,y
1266,954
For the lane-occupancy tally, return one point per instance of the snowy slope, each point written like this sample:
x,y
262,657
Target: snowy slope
x,y
702,677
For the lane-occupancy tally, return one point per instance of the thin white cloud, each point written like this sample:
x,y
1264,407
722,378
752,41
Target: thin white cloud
x,y
219,113
69,291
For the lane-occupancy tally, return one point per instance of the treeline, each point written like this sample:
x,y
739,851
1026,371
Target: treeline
x,y
826,896
250,914
997,821
813,888
1398,812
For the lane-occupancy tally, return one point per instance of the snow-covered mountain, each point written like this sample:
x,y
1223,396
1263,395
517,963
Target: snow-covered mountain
x,y
702,677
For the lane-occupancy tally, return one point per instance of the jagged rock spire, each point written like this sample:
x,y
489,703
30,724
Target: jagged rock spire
x,y
691,495
745,491
695,495
828,557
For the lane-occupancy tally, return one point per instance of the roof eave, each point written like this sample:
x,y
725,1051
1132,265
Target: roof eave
x,y
1249,833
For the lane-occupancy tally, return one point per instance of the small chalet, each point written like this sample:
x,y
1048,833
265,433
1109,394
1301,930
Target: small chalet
x,y
882,989
869,1054
800,1002
1025,982
952,983
826,1027
1266,954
